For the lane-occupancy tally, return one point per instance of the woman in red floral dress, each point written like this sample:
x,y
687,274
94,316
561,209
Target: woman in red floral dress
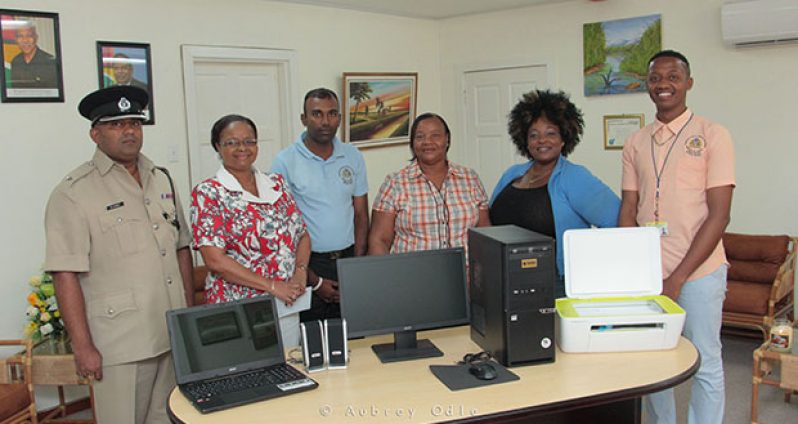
x,y
247,227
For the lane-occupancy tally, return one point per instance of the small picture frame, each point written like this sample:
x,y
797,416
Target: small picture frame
x,y
31,46
378,108
617,128
122,63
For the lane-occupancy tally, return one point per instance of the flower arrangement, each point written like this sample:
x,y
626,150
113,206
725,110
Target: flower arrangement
x,y
44,318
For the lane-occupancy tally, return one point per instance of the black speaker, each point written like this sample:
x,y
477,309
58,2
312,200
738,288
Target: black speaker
x,y
336,354
313,346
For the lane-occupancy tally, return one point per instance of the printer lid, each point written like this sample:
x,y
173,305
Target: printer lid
x,y
612,262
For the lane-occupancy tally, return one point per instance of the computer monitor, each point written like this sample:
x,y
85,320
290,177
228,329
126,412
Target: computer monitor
x,y
402,294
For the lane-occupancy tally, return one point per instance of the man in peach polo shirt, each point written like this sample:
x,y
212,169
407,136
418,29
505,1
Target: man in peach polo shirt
x,y
678,175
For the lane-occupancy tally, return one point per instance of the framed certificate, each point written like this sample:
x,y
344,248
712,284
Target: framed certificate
x,y
617,128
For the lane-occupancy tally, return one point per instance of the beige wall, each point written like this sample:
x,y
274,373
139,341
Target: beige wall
x,y
42,142
750,91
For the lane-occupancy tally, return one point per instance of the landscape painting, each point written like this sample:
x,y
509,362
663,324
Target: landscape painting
x,y
378,107
616,54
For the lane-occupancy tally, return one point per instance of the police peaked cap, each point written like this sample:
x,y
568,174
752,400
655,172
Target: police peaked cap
x,y
114,103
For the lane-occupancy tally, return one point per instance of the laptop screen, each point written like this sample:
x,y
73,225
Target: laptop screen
x,y
226,338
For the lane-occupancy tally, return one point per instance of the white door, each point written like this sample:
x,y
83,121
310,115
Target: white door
x,y
255,83
489,96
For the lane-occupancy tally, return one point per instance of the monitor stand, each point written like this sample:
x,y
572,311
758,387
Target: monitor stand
x,y
405,348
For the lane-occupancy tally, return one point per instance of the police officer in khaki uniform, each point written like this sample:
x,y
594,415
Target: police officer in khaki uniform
x,y
117,245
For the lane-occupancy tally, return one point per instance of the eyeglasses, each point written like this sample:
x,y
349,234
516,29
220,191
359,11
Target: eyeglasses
x,y
234,144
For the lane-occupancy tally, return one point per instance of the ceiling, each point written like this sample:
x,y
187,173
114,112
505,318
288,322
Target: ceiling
x,y
427,9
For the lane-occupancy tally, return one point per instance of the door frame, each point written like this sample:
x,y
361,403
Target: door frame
x,y
284,59
463,69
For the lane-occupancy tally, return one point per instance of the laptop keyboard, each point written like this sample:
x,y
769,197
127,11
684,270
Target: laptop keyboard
x,y
284,377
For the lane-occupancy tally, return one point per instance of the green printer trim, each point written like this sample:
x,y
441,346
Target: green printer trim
x,y
565,306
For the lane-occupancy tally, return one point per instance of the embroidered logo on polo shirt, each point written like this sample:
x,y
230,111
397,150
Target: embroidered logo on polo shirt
x,y
695,145
346,174
124,104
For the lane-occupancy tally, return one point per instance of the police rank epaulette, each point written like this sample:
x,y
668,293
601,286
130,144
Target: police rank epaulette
x,y
81,171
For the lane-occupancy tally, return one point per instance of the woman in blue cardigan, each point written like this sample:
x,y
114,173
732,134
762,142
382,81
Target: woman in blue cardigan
x,y
549,194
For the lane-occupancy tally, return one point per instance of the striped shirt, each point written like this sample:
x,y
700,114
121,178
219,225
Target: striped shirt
x,y
428,218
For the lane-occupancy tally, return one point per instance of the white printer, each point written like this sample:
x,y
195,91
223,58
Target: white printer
x,y
613,280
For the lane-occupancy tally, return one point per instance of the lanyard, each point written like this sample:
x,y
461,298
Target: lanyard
x,y
658,173
441,208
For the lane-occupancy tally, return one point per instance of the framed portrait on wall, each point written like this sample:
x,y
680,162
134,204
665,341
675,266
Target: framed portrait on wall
x,y
378,107
32,69
120,63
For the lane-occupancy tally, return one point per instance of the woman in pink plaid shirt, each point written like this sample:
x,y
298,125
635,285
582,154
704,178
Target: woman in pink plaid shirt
x,y
431,203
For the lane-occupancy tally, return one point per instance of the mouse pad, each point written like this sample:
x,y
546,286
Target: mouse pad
x,y
457,377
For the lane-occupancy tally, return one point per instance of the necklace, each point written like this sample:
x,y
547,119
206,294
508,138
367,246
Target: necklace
x,y
529,180
663,142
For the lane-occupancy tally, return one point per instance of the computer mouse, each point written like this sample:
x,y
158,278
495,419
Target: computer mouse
x,y
483,370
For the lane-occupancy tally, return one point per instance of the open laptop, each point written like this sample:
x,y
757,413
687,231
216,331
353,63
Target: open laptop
x,y
230,354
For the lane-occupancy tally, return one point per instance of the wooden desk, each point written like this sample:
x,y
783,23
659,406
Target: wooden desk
x,y
376,391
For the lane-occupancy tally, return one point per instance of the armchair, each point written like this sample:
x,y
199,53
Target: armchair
x,y
760,279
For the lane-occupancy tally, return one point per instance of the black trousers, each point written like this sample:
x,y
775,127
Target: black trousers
x,y
324,265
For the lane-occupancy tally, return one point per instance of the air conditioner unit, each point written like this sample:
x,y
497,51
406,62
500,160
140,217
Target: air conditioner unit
x,y
759,22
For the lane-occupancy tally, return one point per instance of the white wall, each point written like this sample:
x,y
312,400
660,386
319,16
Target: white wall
x,y
42,142
750,91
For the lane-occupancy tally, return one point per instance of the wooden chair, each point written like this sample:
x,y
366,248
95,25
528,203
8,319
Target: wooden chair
x,y
765,361
760,280
17,400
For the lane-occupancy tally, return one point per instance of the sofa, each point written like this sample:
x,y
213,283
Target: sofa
x,y
760,280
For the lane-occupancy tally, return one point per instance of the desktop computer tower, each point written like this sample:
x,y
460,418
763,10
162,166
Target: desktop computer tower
x,y
512,275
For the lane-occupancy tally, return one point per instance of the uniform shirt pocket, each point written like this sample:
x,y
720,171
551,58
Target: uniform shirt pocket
x,y
126,234
111,305
692,173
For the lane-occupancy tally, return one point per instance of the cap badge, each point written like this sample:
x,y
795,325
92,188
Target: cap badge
x,y
124,105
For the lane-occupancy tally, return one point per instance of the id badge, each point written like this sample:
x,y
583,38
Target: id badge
x,y
662,226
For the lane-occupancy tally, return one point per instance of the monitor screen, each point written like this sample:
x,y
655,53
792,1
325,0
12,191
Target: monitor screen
x,y
403,293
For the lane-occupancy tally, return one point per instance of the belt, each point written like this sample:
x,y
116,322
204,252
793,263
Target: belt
x,y
336,254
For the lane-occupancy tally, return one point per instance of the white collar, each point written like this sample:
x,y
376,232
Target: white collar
x,y
266,191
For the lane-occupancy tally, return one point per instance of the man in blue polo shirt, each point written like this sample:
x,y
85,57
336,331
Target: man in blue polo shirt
x,y
328,181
